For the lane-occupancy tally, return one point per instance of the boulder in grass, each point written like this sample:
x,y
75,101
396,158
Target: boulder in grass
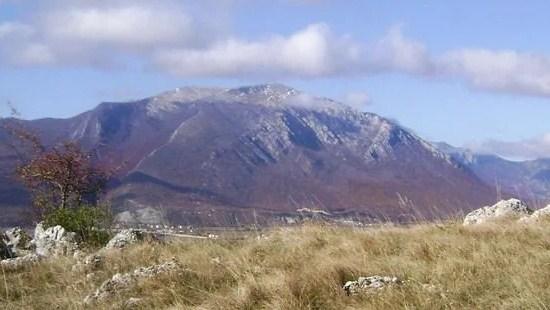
x,y
19,262
538,215
133,303
54,241
5,249
511,208
123,282
18,241
369,284
124,238
89,263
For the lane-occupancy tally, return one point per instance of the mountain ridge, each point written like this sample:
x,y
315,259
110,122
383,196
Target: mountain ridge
x,y
255,153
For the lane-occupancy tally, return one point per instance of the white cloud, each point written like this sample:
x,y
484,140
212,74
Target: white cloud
x,y
538,147
17,48
15,29
171,36
395,52
312,52
358,100
134,26
34,54
503,71
316,52
99,33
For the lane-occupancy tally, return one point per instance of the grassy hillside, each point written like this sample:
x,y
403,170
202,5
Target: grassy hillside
x,y
444,266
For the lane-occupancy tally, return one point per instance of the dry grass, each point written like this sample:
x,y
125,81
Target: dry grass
x,y
504,266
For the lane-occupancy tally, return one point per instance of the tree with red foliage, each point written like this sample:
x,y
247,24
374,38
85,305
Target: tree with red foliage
x,y
63,177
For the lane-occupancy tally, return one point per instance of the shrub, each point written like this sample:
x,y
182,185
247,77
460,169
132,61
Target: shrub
x,y
89,222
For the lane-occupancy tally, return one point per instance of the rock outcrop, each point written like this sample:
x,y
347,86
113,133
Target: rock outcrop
x,y
511,208
541,213
14,243
369,284
133,303
89,263
20,262
124,238
18,241
54,241
538,215
17,250
122,282
5,250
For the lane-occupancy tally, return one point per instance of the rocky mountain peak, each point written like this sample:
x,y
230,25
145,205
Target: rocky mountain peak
x,y
188,93
268,92
271,92
268,95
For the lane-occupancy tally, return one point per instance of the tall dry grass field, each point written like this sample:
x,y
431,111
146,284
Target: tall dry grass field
x,y
444,266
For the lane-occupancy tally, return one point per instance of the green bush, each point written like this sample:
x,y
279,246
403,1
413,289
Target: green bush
x,y
90,223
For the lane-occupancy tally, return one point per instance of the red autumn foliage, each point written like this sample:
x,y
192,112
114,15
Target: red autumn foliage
x,y
63,176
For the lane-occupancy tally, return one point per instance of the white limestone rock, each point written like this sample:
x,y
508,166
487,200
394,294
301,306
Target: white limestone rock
x,y
124,238
133,303
5,250
503,209
18,241
538,215
19,262
369,284
89,263
123,282
95,261
54,241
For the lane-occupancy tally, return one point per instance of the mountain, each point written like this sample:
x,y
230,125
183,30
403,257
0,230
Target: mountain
x,y
528,179
257,154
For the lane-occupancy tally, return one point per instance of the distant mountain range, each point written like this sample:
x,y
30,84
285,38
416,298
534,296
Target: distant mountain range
x,y
528,179
262,154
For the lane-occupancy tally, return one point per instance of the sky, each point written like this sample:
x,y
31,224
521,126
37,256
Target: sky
x,y
471,73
